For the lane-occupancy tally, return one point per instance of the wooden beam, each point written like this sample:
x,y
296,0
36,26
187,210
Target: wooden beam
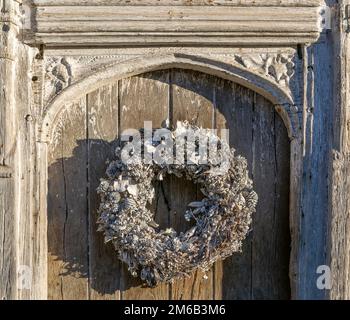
x,y
101,24
339,229
8,220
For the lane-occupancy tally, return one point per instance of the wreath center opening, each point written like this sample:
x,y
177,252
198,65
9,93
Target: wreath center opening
x,y
170,202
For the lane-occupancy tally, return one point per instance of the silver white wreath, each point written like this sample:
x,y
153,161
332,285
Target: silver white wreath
x,y
222,218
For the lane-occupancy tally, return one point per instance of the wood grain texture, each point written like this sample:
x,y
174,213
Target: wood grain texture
x,y
26,172
121,23
315,207
271,240
257,133
40,222
339,204
7,83
104,265
67,208
280,254
270,3
8,265
234,111
340,223
144,98
319,194
9,196
192,94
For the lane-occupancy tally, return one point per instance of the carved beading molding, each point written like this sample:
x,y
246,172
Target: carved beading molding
x,y
198,23
233,3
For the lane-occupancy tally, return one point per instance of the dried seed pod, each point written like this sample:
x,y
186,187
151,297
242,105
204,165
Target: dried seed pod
x,y
130,204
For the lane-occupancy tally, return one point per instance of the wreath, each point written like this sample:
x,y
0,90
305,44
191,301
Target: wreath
x,y
222,218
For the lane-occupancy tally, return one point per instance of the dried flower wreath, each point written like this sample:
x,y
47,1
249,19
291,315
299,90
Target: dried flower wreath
x,y
222,218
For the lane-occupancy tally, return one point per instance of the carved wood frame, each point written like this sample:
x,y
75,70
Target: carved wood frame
x,y
265,85
271,60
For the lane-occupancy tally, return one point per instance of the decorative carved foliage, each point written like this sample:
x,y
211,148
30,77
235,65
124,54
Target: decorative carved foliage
x,y
278,66
62,71
58,76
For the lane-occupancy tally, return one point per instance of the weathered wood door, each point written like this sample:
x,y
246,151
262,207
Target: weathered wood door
x,y
81,266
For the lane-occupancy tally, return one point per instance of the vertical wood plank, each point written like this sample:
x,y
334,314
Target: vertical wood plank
x,y
270,251
336,95
316,204
67,207
193,101
105,267
8,135
7,240
258,134
264,176
40,221
144,98
26,143
3,113
234,111
282,239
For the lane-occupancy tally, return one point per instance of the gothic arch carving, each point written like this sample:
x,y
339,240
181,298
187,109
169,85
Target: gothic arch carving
x,y
278,94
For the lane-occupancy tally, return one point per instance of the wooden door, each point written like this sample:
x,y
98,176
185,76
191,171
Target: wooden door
x,y
81,266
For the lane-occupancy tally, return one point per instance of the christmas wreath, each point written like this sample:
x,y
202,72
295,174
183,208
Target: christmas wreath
x,y
222,218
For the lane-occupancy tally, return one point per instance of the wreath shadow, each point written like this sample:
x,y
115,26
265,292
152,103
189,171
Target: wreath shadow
x,y
76,249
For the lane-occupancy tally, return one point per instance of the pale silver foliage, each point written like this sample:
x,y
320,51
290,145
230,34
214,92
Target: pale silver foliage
x,y
222,218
